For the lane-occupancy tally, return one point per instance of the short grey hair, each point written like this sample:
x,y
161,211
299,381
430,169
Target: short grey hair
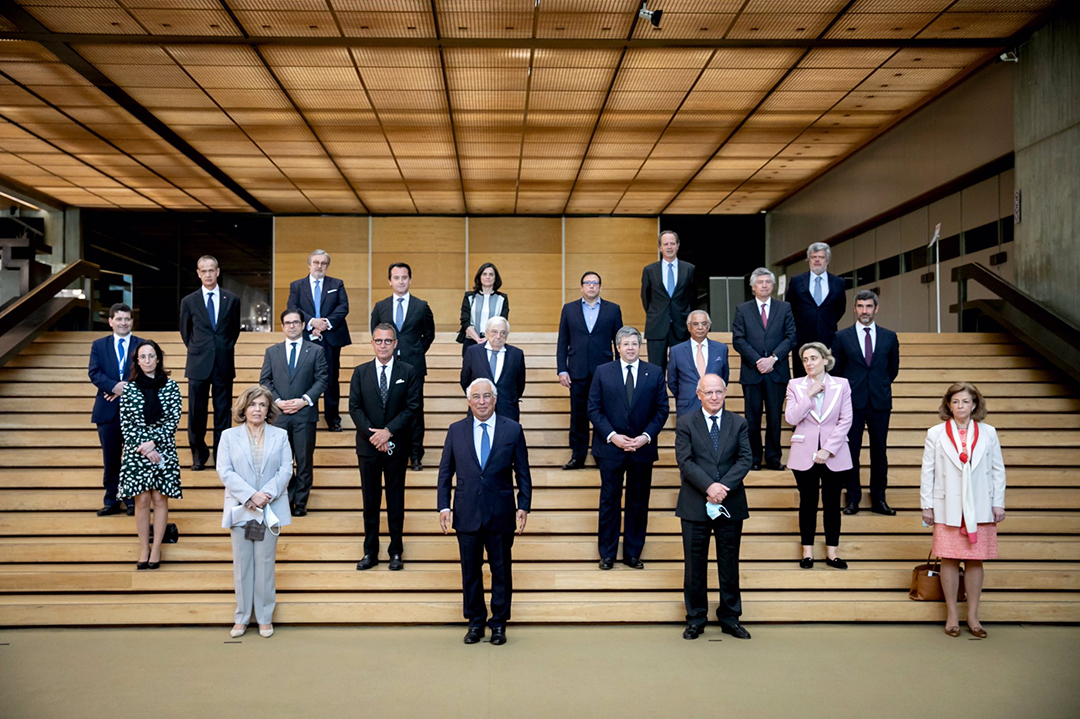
x,y
698,312
318,252
497,320
485,380
820,247
624,332
761,272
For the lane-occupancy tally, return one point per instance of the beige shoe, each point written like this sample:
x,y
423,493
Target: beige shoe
x,y
237,631
267,632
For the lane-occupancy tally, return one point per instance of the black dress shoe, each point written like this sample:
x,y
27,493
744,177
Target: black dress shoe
x,y
633,562
130,510
775,466
198,466
299,511
498,636
837,563
117,508
416,465
474,635
755,467
334,425
575,463
806,562
851,508
735,630
693,631
607,563
880,507
367,562
396,563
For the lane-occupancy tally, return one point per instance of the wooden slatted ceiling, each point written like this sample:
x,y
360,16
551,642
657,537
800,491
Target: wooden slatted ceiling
x,y
476,129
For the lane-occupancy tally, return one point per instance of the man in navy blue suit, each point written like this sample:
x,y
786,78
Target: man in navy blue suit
x,y
817,300
628,406
325,301
587,330
110,366
500,362
667,294
692,360
485,452
868,357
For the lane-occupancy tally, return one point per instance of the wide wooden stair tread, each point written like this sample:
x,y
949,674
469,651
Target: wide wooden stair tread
x,y
62,565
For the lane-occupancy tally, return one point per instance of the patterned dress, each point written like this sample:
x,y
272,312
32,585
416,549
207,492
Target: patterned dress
x,y
137,474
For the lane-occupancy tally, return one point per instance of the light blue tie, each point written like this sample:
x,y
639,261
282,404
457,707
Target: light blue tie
x,y
485,445
120,358
316,297
399,316
210,310
817,290
671,280
494,361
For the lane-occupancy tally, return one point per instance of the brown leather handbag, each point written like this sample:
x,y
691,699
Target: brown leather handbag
x,y
926,582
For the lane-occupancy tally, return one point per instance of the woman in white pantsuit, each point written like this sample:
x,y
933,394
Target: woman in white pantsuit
x,y
255,463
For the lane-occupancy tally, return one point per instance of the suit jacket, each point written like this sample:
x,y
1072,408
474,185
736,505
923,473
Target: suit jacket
x,y
827,430
609,412
700,466
870,386
401,410
500,305
511,384
310,378
753,341
417,331
942,471
682,374
813,323
484,496
207,347
579,352
662,310
104,372
242,479
334,307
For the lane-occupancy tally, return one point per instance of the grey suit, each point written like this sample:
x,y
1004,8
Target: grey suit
x,y
310,378
253,562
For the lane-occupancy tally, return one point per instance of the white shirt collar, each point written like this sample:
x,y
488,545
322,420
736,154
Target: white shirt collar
x,y
694,344
299,341
872,326
216,291
633,364
403,297
389,365
490,422
674,264
765,303
719,417
116,338
489,348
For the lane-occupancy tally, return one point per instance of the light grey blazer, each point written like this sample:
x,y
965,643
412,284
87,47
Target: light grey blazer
x,y
241,480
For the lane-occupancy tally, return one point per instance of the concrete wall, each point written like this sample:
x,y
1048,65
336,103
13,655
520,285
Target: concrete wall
x,y
1048,165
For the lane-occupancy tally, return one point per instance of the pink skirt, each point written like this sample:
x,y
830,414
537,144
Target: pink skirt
x,y
949,544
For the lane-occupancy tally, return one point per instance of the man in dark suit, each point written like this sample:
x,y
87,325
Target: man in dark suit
x,y
691,360
628,406
209,327
384,401
295,373
817,300
868,357
586,337
502,363
485,452
712,447
110,367
415,325
763,332
667,294
324,300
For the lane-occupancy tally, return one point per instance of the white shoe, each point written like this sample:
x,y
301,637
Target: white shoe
x,y
268,632
237,633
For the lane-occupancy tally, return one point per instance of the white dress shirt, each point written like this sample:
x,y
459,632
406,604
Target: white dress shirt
x,y
299,348
217,301
824,284
860,330
767,304
500,359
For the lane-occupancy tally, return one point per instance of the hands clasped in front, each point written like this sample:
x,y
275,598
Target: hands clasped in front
x,y
291,406
149,450
629,444
258,500
380,439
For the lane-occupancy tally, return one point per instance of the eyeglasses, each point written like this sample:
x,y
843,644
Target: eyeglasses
x,y
383,342
292,323
714,393
700,324
590,283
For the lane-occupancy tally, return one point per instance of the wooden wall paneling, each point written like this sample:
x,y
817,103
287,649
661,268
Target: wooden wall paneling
x,y
616,247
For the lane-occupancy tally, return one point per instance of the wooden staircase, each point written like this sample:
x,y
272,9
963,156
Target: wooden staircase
x,y
62,565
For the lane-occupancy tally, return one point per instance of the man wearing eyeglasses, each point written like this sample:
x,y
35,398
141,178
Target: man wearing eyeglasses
x,y
384,402
295,372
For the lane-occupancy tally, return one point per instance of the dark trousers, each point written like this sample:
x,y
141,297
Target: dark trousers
x,y
471,546
772,394
373,471
579,417
332,395
876,422
658,349
696,537
830,483
302,441
638,476
418,428
112,448
198,404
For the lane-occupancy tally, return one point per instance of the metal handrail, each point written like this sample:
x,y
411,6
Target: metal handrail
x,y
36,298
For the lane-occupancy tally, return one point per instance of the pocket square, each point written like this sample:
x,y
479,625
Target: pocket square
x,y
331,291
400,381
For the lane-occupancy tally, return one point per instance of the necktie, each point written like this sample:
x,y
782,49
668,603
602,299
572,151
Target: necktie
x,y
700,360
384,386
817,290
494,361
485,445
120,358
764,318
671,280
399,316
868,347
715,433
292,360
629,384
210,310
316,297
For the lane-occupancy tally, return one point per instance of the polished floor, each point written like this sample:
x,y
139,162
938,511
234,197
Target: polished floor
x,y
805,670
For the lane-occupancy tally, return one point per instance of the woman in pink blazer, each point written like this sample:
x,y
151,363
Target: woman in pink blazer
x,y
819,406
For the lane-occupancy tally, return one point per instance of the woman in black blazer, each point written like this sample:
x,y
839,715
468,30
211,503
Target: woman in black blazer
x,y
480,304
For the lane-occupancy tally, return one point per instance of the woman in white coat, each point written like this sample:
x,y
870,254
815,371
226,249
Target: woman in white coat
x,y
255,463
963,498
